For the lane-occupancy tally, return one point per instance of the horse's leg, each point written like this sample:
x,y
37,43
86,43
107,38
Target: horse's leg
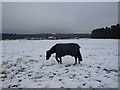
x,y
79,61
75,61
79,56
60,60
57,59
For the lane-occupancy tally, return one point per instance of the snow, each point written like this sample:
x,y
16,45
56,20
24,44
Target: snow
x,y
0,62
25,65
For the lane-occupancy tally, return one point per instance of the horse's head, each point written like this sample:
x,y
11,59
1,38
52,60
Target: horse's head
x,y
48,55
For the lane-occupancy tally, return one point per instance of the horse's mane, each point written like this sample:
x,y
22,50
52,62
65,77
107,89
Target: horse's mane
x,y
52,50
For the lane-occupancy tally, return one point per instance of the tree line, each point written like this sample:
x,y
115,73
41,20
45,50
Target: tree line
x,y
105,32
44,36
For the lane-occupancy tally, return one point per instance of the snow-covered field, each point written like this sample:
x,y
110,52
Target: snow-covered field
x,y
25,66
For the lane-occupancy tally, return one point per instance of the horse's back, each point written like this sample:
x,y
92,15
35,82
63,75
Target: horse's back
x,y
63,49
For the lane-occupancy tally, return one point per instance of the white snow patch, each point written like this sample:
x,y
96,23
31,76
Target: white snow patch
x,y
24,65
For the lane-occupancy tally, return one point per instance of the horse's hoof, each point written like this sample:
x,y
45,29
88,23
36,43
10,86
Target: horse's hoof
x,y
74,64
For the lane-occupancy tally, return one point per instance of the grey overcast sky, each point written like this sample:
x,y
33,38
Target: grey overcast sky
x,y
57,17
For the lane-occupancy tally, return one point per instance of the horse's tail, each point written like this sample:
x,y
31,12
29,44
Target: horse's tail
x,y
79,56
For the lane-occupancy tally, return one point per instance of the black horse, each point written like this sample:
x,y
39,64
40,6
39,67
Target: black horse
x,y
65,49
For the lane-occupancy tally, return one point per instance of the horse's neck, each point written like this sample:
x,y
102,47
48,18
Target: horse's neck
x,y
52,50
